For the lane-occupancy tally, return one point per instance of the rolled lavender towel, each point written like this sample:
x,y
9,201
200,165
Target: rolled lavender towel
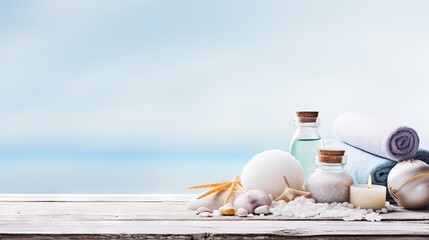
x,y
361,164
378,136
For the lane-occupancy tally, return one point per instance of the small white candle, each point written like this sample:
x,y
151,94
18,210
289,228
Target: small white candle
x,y
368,195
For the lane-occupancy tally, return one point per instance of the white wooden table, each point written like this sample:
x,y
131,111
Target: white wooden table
x,y
166,217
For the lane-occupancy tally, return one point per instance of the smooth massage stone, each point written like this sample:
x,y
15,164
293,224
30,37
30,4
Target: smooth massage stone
x,y
241,212
202,209
205,214
227,210
264,209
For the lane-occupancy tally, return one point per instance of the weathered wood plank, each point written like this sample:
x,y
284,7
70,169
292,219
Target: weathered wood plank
x,y
294,228
166,217
150,211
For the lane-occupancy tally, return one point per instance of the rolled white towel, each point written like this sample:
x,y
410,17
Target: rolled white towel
x,y
376,135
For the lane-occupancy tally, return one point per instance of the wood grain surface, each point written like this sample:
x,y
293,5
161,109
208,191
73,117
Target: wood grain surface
x,y
166,217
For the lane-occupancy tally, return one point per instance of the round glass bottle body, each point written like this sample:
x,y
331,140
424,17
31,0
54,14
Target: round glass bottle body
x,y
330,182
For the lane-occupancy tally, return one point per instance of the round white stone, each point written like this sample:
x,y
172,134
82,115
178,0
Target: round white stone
x,y
265,171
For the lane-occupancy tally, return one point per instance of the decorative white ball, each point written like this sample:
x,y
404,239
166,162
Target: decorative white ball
x,y
265,171
408,183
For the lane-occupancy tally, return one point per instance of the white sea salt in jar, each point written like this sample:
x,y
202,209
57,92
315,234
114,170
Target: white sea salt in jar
x,y
329,182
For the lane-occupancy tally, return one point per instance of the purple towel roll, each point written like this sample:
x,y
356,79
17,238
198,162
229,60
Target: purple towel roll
x,y
377,136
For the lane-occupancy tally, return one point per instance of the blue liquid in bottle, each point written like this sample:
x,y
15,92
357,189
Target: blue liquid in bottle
x,y
305,142
304,150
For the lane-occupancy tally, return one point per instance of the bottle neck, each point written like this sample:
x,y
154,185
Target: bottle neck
x,y
307,131
330,167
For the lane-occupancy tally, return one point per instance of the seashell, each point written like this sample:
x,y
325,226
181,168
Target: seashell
x,y
252,199
408,183
202,209
213,201
290,193
227,210
241,212
205,214
264,209
265,171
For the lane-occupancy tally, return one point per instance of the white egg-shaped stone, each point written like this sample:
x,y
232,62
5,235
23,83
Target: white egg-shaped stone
x,y
265,171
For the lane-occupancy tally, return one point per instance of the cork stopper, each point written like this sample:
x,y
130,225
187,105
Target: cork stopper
x,y
330,155
330,152
307,116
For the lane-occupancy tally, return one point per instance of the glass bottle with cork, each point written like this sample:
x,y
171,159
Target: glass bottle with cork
x,y
306,140
330,182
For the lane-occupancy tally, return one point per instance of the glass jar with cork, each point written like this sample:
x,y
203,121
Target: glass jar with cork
x,y
306,140
330,182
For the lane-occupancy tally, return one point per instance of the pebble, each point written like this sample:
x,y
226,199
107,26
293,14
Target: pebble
x,y
264,209
261,215
216,213
205,214
227,210
384,210
390,208
241,212
202,209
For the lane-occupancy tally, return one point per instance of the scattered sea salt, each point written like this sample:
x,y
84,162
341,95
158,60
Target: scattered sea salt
x,y
303,207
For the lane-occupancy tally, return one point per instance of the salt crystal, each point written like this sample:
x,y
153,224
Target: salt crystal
x,y
305,208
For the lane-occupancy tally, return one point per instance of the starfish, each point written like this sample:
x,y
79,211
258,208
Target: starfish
x,y
220,186
290,193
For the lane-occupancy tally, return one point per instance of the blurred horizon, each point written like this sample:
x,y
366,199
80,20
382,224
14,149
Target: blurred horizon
x,y
127,84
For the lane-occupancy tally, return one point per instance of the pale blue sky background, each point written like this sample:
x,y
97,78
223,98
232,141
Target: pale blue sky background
x,y
94,93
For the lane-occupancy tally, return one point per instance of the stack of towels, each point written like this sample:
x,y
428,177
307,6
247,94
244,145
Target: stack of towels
x,y
374,145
